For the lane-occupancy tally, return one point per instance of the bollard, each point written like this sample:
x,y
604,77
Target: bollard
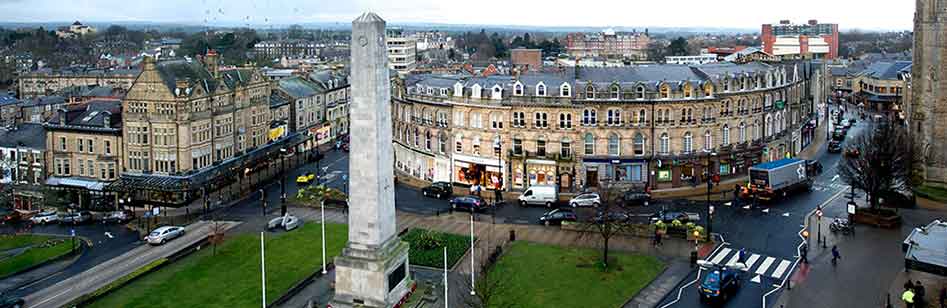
x,y
512,235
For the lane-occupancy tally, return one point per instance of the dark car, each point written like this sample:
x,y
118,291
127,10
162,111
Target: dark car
x,y
76,218
839,134
119,217
720,283
813,167
835,146
10,301
438,190
636,197
669,216
470,203
557,216
611,217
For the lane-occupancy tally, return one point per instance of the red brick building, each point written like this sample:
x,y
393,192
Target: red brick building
x,y
527,59
789,40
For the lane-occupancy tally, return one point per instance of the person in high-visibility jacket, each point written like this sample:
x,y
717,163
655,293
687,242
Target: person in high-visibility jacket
x,y
908,298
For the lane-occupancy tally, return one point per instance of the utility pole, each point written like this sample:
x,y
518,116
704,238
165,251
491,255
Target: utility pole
x,y
282,182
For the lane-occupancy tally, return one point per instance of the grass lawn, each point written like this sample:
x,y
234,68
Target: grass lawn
x,y
34,256
9,241
934,193
427,247
232,277
536,275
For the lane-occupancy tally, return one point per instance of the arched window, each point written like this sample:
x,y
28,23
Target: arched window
x,y
614,117
417,137
459,143
769,125
616,92
642,118
590,92
688,91
665,91
518,89
639,144
726,85
565,90
614,148
757,132
588,117
665,144
742,132
708,89
427,140
639,93
708,140
688,142
589,144
726,134
476,145
541,90
442,143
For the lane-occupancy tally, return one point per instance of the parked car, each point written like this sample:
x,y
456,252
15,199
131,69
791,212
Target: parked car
x,y
839,134
438,190
557,216
305,179
669,216
835,146
10,301
45,217
586,199
852,152
721,282
18,215
610,217
122,216
164,234
636,197
288,222
470,203
76,218
539,195
813,167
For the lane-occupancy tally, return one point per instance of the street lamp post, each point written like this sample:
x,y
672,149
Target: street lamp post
x,y
710,180
282,181
498,193
263,201
472,274
322,215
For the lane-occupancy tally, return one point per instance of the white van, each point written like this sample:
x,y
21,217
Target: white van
x,y
539,195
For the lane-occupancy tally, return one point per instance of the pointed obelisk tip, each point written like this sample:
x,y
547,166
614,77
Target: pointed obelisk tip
x,y
368,17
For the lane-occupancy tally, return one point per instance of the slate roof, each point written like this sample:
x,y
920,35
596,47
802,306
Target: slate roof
x,y
28,135
649,75
44,100
297,87
277,101
236,77
7,99
886,70
174,70
91,115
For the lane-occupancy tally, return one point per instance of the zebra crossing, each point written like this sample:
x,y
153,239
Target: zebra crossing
x,y
769,266
820,186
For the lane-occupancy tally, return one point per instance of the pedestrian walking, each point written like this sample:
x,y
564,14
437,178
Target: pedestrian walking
x,y
909,284
743,256
908,298
835,255
943,297
919,293
804,253
736,194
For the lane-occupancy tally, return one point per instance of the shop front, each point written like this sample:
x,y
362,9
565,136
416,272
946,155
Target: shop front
x,y
541,172
807,134
441,169
472,170
419,165
629,170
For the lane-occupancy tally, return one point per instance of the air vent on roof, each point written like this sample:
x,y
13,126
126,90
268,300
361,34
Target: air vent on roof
x,y
90,116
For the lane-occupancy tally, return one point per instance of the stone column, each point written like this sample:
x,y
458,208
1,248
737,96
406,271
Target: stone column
x,y
372,270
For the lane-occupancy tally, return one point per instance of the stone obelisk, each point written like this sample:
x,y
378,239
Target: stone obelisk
x,y
373,268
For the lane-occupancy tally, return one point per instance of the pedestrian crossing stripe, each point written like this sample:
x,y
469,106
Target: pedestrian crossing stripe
x,y
734,260
766,263
750,261
720,255
776,267
780,269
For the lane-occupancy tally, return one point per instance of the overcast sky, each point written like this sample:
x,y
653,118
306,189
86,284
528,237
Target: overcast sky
x,y
749,14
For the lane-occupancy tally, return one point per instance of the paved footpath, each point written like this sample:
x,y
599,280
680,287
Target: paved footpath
x,y
104,273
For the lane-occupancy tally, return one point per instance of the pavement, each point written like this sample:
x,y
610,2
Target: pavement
x,y
102,274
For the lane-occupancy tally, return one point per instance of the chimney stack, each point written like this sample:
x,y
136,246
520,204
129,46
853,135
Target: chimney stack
x,y
211,62
180,88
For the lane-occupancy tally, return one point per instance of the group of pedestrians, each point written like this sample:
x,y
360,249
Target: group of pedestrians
x,y
913,295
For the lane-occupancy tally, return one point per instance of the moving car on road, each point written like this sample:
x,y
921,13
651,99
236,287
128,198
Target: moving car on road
x,y
164,234
721,282
586,199
557,216
541,195
10,301
438,190
119,217
470,203
76,218
835,146
636,197
288,222
45,218
669,216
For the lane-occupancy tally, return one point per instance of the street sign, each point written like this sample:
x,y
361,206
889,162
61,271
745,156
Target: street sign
x,y
818,213
711,209
155,211
851,208
72,232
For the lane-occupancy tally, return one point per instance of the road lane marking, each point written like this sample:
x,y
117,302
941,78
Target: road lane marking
x,y
780,269
734,259
766,263
720,255
750,261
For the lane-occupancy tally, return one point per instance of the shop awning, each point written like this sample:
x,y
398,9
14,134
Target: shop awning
x,y
75,182
925,249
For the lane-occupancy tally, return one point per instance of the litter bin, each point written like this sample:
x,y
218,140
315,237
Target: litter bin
x,y
693,258
512,235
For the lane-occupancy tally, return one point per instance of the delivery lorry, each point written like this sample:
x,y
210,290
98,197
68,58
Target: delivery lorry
x,y
775,179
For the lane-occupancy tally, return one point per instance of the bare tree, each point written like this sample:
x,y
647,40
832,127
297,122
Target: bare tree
x,y
611,219
882,163
216,236
488,286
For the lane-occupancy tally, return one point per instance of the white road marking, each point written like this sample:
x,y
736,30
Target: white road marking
x,y
766,263
734,260
835,178
786,214
780,269
750,261
109,235
756,279
720,255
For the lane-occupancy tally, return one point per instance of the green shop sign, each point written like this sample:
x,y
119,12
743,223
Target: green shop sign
x,y
780,104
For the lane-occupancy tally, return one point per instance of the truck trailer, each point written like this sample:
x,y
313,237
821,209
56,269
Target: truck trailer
x,y
777,178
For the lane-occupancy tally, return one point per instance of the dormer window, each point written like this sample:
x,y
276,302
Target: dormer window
x,y
688,91
665,91
458,89
590,92
616,92
565,90
726,85
639,93
518,89
443,92
497,92
430,91
708,89
541,89
476,91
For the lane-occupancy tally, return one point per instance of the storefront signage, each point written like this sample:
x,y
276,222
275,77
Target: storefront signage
x,y
539,162
780,104
277,132
478,160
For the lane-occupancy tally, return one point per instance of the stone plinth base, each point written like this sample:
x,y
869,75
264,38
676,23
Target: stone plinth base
x,y
369,277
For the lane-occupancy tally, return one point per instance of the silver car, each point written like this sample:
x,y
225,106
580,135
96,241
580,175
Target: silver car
x,y
45,218
288,222
586,199
163,234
